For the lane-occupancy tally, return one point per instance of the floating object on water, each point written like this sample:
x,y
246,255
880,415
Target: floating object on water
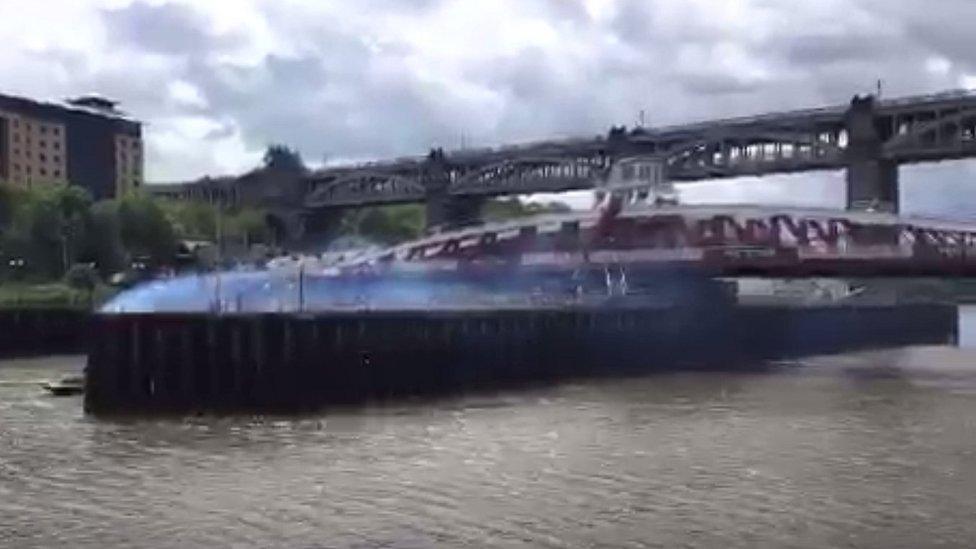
x,y
66,386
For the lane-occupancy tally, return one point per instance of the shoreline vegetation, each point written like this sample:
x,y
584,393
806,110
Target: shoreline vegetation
x,y
61,248
52,295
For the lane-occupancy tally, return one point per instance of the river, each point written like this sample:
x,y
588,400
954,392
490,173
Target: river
x,y
874,449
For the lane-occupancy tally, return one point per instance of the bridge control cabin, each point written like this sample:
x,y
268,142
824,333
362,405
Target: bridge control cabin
x,y
639,180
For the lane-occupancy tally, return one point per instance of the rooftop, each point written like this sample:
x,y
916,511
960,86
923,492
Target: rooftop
x,y
91,103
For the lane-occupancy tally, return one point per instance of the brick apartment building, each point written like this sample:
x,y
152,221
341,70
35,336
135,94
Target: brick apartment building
x,y
84,141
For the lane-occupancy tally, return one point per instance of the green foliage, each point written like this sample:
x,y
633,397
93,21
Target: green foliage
x,y
10,198
53,227
191,220
385,224
49,228
45,227
104,246
392,224
145,229
502,209
247,224
20,296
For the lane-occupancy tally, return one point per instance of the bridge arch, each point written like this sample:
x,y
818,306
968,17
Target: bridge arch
x,y
755,153
366,187
957,128
539,174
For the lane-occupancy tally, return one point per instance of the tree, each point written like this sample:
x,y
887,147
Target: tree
x,y
385,224
191,219
249,224
104,243
48,227
146,231
283,159
10,198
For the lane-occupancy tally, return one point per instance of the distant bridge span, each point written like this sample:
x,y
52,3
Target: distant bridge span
x,y
868,138
725,241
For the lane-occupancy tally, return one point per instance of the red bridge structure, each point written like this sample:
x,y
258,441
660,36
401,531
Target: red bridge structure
x,y
714,240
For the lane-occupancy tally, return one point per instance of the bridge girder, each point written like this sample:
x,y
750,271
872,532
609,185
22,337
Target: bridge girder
x,y
553,174
914,129
360,188
948,134
758,154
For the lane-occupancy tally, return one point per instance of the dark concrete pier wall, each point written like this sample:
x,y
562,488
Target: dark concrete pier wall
x,y
143,363
26,332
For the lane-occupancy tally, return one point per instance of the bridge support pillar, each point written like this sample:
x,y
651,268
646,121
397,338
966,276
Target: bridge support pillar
x,y
444,210
872,181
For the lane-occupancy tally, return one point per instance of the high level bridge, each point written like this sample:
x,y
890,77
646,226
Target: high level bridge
x,y
869,138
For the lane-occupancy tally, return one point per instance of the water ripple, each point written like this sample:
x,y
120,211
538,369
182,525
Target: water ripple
x,y
814,455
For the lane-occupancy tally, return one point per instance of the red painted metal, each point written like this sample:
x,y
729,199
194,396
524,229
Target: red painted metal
x,y
733,241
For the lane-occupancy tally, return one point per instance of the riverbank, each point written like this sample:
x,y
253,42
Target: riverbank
x,y
43,331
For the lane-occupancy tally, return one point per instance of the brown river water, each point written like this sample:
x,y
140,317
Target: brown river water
x,y
874,449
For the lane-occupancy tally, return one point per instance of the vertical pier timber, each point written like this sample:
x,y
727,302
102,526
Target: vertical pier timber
x,y
179,363
26,332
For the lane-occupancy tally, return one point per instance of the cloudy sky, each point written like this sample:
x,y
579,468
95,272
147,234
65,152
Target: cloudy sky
x,y
216,81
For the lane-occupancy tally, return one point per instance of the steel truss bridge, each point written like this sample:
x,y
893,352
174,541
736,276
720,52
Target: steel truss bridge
x,y
727,241
869,138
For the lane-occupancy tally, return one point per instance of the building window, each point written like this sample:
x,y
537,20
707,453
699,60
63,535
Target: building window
x,y
43,172
16,138
17,168
42,143
57,173
135,144
57,145
57,159
42,157
43,128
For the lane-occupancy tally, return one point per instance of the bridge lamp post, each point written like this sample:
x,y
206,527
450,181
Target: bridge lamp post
x,y
219,237
301,286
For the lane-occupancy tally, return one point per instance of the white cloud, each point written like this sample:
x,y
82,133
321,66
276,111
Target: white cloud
x,y
186,94
217,81
938,65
